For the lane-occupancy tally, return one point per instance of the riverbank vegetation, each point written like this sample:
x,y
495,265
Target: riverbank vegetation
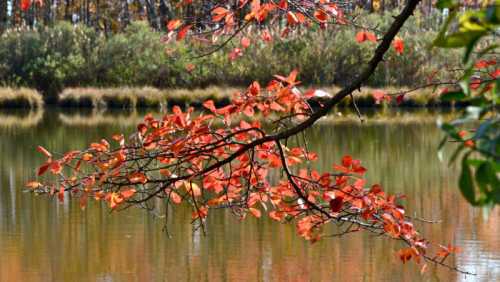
x,y
151,97
54,57
20,98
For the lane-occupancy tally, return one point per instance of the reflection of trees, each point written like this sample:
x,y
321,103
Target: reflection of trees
x,y
100,118
24,119
43,240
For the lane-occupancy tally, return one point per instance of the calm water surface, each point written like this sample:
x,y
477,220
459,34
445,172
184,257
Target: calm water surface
x,y
42,240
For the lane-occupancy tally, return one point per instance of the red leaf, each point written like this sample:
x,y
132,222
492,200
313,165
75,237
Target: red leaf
x,y
25,5
274,160
398,45
245,42
481,64
55,167
266,36
183,32
347,161
42,169
209,104
378,95
400,99
235,53
254,88
360,36
365,35
336,204
249,111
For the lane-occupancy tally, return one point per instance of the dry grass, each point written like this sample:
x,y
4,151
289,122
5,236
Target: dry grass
x,y
20,98
160,98
140,97
153,97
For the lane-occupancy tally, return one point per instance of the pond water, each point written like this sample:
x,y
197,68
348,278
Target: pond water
x,y
43,240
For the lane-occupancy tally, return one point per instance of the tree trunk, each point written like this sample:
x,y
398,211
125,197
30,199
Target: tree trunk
x,y
125,14
67,15
152,17
165,14
3,16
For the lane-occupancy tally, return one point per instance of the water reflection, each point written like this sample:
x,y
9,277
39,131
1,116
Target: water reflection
x,y
41,239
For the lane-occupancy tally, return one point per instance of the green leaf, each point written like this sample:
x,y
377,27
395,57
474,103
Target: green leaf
x,y
485,176
441,35
466,183
453,96
469,49
441,4
456,154
459,39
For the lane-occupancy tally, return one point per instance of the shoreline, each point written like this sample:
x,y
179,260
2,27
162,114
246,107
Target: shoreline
x,y
151,98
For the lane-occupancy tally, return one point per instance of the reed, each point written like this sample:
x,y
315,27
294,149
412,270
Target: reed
x,y
20,98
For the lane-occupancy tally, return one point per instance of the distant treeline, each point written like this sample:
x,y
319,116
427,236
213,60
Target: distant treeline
x,y
116,15
63,55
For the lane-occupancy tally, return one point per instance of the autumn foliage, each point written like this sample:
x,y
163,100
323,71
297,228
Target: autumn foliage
x,y
222,157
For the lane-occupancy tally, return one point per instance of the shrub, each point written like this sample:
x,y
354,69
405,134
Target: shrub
x,y
63,55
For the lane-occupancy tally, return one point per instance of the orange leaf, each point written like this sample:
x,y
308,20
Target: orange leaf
x,y
192,188
292,18
274,160
44,151
176,199
174,24
190,67
321,16
255,212
128,193
60,194
277,215
219,13
83,200
137,177
33,184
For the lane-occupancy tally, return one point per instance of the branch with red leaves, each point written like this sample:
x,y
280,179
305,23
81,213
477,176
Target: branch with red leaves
x,y
227,158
